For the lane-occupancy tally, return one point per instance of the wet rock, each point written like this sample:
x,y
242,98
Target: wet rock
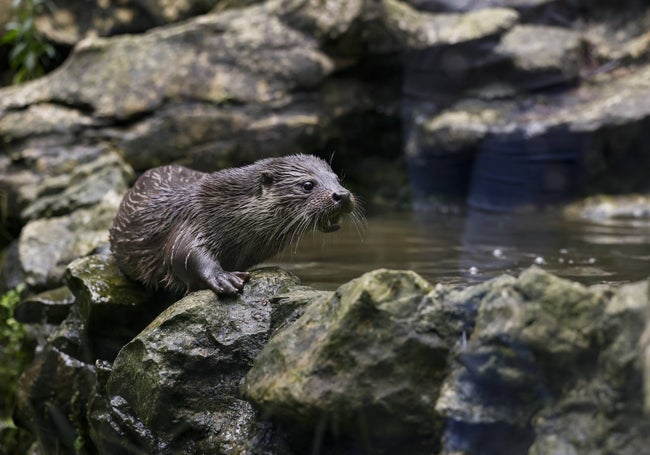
x,y
114,308
46,246
53,392
417,30
175,387
612,208
95,75
584,139
49,307
551,366
10,275
543,55
41,120
73,20
365,355
326,20
45,181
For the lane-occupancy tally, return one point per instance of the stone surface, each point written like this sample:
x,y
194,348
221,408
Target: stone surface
x,y
532,364
194,354
54,389
114,309
632,208
49,307
418,30
46,246
363,356
73,20
551,366
45,181
95,75
543,55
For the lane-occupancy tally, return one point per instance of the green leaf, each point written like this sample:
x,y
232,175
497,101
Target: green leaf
x,y
13,25
10,36
28,25
49,50
18,50
31,59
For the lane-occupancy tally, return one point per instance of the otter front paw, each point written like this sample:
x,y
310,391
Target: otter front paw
x,y
227,283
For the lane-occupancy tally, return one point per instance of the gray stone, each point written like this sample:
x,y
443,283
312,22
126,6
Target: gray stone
x,y
120,77
631,208
417,30
364,356
46,246
113,308
175,387
544,54
551,365
604,122
49,307
54,389
50,180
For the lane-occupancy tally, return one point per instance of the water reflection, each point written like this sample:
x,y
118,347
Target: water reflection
x,y
475,247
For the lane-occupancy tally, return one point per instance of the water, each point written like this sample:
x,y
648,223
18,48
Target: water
x,y
476,246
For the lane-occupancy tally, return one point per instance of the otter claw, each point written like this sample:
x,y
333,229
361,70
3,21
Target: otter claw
x,y
228,283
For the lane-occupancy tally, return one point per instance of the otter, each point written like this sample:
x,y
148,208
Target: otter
x,y
185,230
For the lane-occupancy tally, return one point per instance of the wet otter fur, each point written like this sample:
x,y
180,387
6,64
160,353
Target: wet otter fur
x,y
185,230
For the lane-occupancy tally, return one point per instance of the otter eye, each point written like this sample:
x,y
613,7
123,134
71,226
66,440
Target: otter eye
x,y
308,185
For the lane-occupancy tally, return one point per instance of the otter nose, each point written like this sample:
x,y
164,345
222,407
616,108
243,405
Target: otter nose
x,y
343,198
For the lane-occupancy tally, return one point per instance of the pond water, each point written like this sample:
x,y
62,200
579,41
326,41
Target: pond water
x,y
474,247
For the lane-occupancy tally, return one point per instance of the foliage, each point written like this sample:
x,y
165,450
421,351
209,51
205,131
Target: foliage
x,y
13,359
29,51
12,340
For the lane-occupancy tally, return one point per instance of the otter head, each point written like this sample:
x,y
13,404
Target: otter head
x,y
307,191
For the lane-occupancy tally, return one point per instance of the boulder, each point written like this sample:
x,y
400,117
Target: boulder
x,y
49,307
45,181
551,146
73,20
46,246
175,387
113,308
363,360
550,366
53,392
633,208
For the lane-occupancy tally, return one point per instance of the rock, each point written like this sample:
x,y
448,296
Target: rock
x,y
73,20
49,307
365,355
543,55
95,75
469,5
46,246
326,20
53,392
45,181
551,366
587,139
175,387
114,308
611,208
418,30
533,364
45,119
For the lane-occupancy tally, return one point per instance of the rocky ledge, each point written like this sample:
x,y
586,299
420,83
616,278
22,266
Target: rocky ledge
x,y
530,364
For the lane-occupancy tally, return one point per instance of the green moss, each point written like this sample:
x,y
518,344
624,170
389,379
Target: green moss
x,y
13,359
12,356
